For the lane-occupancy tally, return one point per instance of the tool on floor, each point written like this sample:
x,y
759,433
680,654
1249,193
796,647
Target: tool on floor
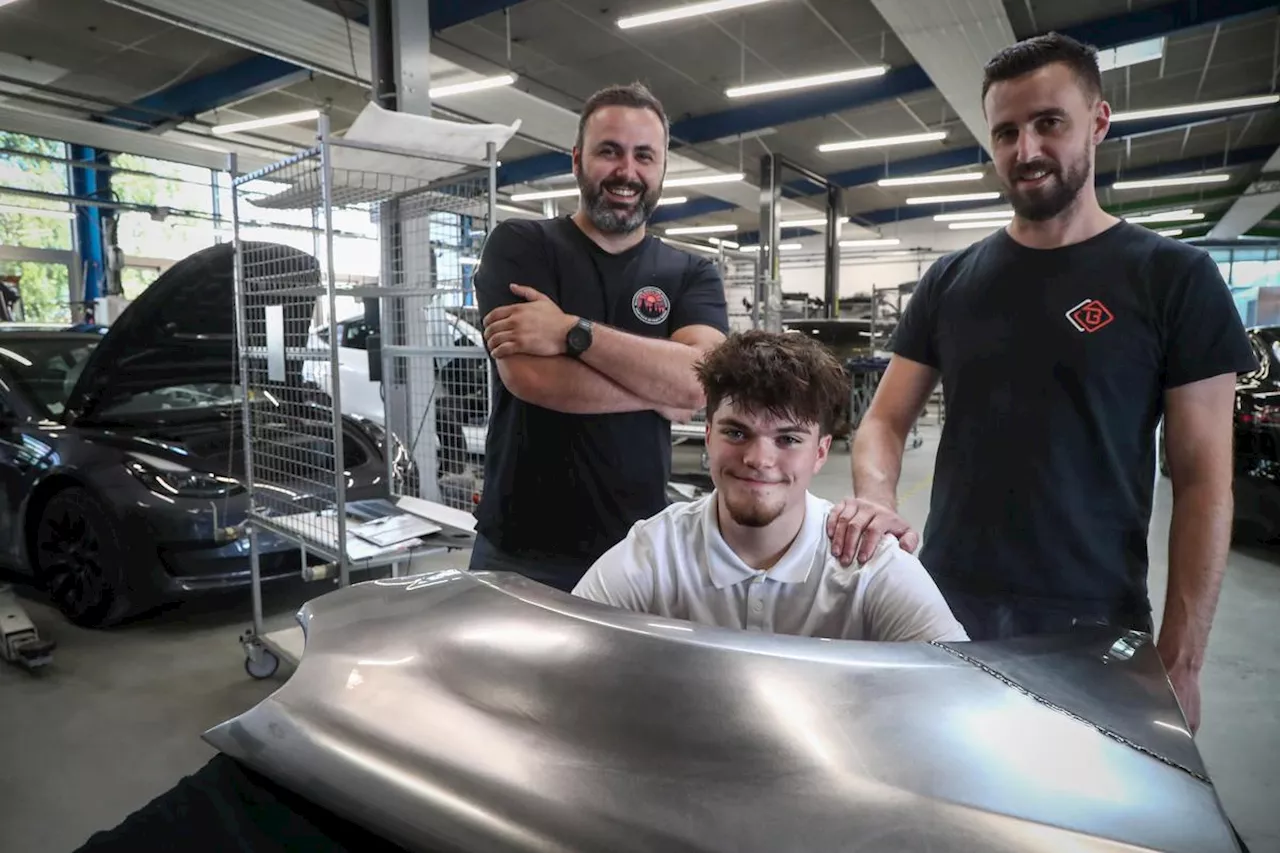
x,y
20,643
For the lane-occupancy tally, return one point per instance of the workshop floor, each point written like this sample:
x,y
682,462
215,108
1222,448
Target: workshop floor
x,y
117,719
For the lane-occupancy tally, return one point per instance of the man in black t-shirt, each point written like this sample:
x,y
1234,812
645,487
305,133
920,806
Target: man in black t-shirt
x,y
1060,342
594,326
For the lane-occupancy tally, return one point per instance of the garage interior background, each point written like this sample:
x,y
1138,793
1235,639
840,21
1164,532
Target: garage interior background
x,y
114,115
117,116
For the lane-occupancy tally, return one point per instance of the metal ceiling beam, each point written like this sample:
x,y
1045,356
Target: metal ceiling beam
x,y
786,109
952,42
1254,204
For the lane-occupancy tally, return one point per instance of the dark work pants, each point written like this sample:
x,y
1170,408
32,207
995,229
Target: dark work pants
x,y
1001,617
559,572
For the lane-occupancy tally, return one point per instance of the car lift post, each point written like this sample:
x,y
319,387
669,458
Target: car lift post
x,y
20,643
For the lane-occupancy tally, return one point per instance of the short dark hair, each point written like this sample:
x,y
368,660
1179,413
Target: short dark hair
x,y
635,95
786,374
1034,53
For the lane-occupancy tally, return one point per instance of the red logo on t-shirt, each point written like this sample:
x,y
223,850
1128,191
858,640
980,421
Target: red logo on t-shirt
x,y
651,305
1090,316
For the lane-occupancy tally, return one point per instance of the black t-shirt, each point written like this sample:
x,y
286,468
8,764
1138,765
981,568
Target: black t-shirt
x,y
572,485
1054,363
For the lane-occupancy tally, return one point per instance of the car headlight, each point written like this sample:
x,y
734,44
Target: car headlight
x,y
172,480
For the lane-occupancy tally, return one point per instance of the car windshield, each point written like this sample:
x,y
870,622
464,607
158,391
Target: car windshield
x,y
174,399
46,368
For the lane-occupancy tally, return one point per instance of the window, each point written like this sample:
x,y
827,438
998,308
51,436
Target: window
x,y
27,221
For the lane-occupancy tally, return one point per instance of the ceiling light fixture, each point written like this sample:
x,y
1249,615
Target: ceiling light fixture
x,y
1170,232
472,86
1184,215
270,121
728,244
993,223
812,223
1006,213
544,194
869,244
673,199
958,177
702,180
1192,109
855,144
945,199
677,13
806,82
467,261
701,229
511,208
1170,182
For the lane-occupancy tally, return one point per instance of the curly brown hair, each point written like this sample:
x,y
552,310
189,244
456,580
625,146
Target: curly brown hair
x,y
785,374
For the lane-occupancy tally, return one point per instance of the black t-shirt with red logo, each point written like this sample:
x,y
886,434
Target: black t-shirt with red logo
x,y
571,485
1054,364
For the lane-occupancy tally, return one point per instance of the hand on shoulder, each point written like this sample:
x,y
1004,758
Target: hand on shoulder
x,y
856,527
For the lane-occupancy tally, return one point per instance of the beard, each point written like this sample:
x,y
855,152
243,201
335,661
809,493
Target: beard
x,y
613,217
753,510
1059,191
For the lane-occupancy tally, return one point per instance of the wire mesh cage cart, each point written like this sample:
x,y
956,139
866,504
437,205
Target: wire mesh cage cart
x,y
365,378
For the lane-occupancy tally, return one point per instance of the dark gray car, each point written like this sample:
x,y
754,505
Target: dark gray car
x,y
120,452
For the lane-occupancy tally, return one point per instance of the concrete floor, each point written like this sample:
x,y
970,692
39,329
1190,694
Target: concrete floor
x,y
117,719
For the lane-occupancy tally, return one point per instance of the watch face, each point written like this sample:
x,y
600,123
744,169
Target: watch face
x,y
579,338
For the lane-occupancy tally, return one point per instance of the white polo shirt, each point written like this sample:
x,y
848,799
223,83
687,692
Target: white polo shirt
x,y
676,564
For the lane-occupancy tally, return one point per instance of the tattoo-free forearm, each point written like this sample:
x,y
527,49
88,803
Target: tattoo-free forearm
x,y
877,462
1199,538
563,384
654,369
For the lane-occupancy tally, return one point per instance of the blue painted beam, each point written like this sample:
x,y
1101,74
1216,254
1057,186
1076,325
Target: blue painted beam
x,y
244,79
90,184
450,13
534,168
784,109
693,207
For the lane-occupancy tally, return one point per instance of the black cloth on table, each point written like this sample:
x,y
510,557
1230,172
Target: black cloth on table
x,y
224,807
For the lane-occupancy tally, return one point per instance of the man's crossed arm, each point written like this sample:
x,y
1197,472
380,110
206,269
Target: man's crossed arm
x,y
620,372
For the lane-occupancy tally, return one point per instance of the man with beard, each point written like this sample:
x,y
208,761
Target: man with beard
x,y
755,554
1060,341
594,326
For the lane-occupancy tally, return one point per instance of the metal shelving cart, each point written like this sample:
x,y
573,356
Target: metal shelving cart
x,y
426,184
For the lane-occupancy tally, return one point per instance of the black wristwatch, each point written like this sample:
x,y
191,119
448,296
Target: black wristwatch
x,y
578,338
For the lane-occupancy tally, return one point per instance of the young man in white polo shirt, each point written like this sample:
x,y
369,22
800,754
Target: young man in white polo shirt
x,y
755,554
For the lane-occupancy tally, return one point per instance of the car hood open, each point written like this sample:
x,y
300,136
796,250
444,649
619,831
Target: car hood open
x,y
182,328
477,711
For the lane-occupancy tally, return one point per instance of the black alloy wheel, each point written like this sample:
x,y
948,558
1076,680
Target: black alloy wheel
x,y
79,560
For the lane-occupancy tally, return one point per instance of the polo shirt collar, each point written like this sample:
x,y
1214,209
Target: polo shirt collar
x,y
726,569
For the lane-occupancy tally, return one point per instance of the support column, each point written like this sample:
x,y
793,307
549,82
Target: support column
x,y
412,32
91,245
770,236
831,277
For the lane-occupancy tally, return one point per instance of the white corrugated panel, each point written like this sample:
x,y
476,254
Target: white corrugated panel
x,y
952,41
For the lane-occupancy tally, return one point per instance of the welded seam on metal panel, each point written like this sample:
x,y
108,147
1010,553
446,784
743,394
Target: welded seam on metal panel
x,y
1116,736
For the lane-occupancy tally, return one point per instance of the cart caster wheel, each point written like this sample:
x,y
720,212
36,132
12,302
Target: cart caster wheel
x,y
265,667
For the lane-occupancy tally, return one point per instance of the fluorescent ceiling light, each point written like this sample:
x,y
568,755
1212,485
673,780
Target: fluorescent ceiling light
x,y
270,121
1170,232
812,223
511,208
468,261
787,247
544,194
1170,182
1184,215
702,229
854,144
1191,109
1133,53
806,82
472,86
702,180
36,211
994,223
673,199
728,244
956,178
944,199
677,13
1006,213
869,244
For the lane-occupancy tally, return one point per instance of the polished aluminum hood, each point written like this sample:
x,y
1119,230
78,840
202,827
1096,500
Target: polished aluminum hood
x,y
484,712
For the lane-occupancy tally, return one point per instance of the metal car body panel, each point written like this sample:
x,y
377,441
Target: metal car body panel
x,y
484,712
